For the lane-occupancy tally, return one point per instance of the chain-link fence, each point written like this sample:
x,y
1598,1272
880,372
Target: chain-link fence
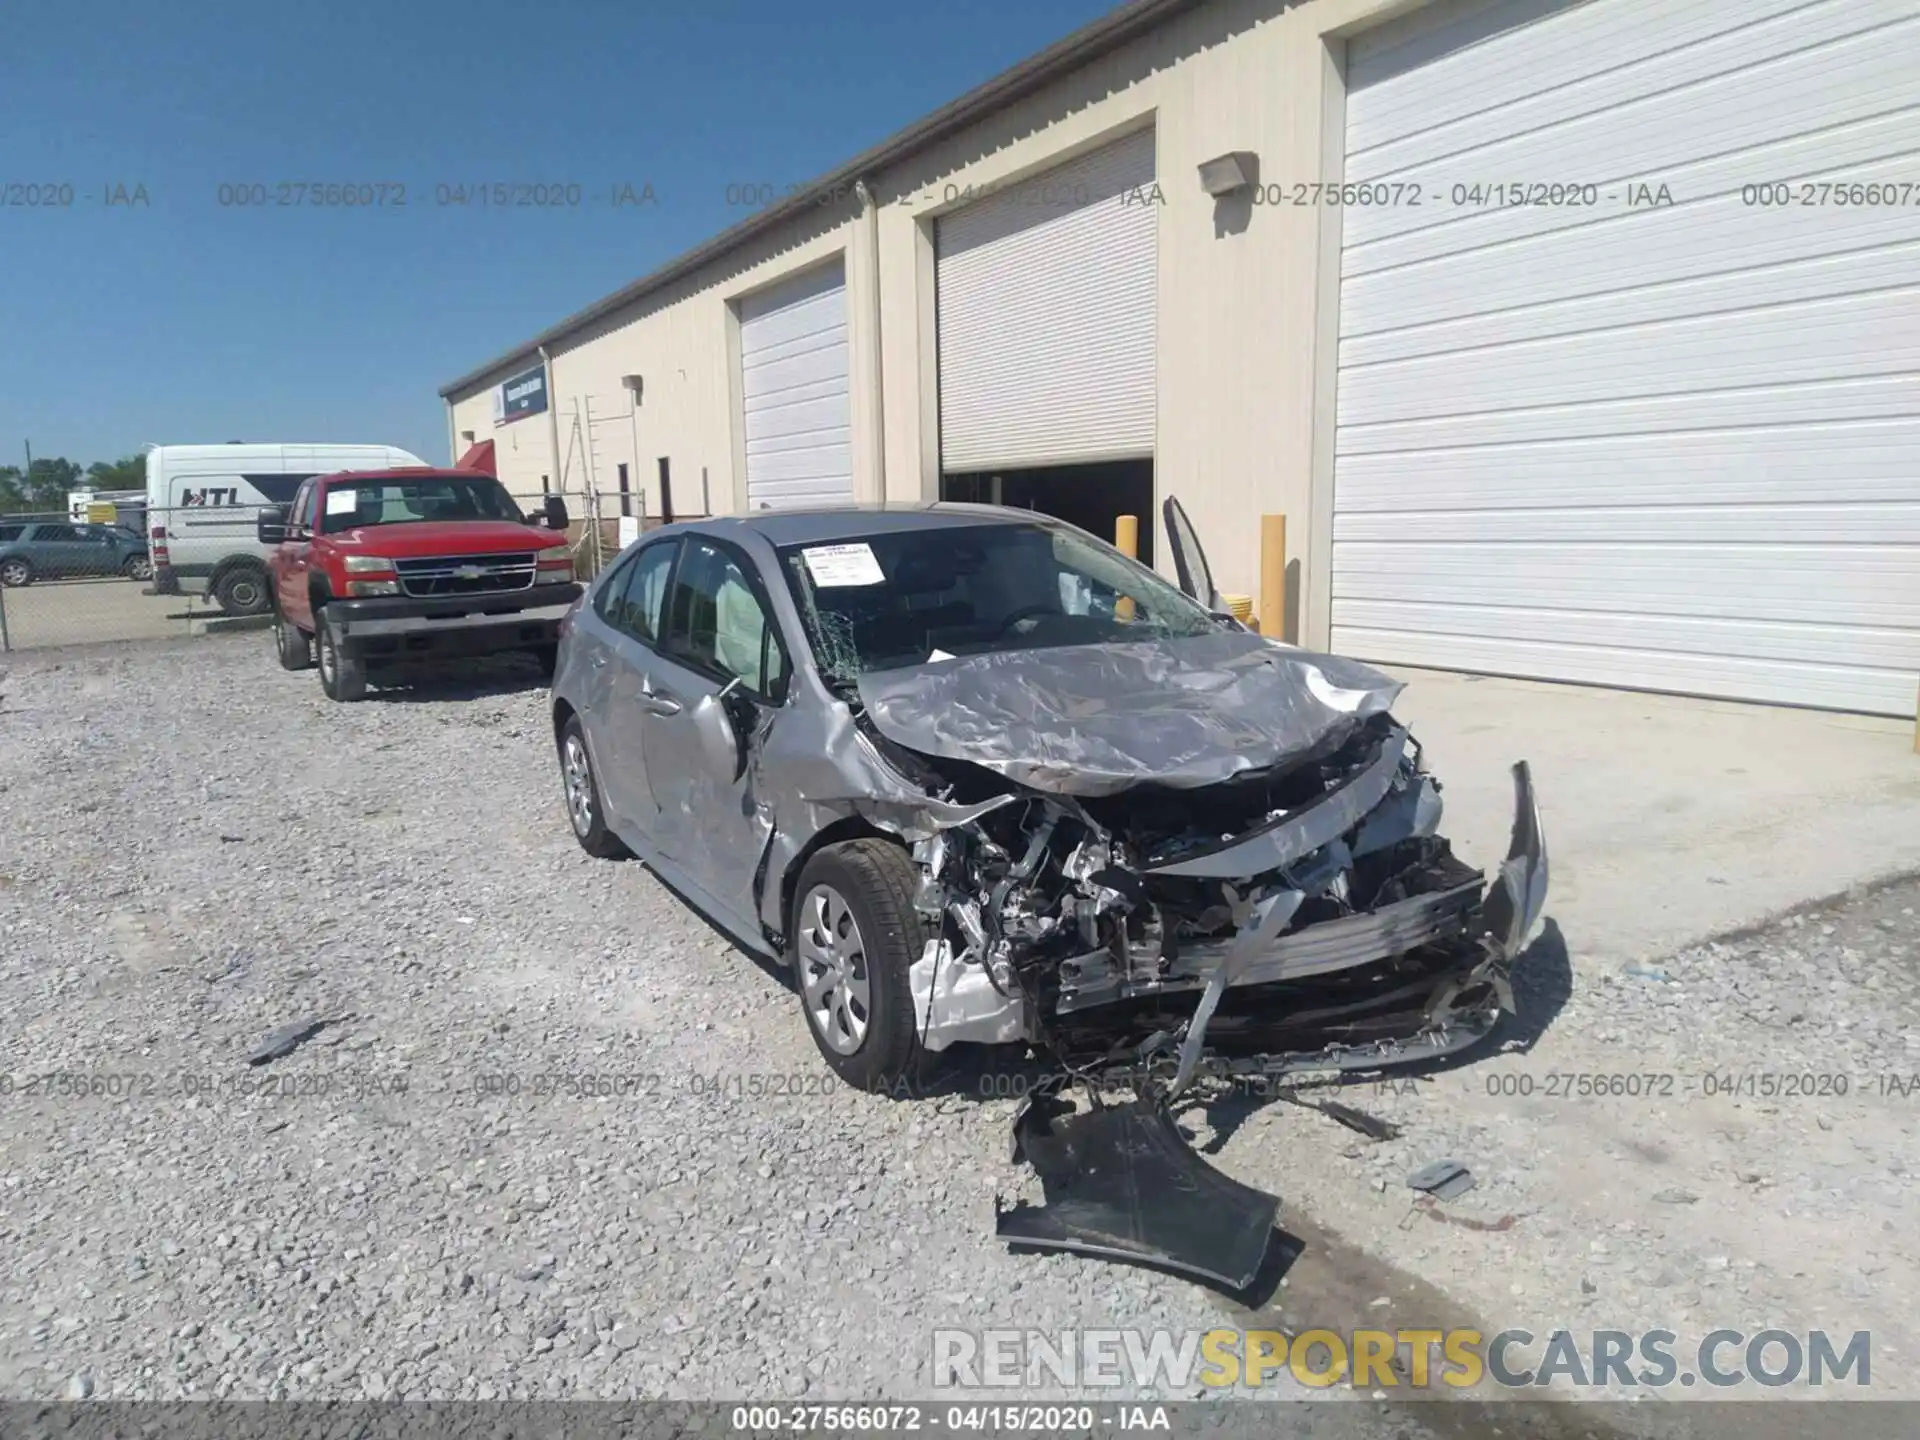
x,y
192,570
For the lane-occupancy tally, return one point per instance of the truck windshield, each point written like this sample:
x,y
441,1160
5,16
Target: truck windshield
x,y
386,500
878,602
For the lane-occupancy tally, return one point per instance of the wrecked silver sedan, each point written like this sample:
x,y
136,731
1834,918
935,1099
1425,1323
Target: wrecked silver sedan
x,y
977,776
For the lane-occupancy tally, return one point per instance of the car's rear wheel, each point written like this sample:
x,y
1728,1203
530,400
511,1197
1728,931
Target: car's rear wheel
x,y
585,810
242,591
15,572
293,643
138,567
342,677
854,936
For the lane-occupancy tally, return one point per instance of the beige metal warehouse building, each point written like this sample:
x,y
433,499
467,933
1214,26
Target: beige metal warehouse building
x,y
1577,339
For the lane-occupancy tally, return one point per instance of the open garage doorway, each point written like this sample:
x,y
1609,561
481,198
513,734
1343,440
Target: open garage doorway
x,y
1090,496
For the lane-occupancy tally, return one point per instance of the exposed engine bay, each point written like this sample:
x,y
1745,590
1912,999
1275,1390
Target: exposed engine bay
x,y
1299,914
1233,871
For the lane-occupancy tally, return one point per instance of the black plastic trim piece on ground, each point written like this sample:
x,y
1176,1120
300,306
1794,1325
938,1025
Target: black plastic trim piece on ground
x,y
1123,1184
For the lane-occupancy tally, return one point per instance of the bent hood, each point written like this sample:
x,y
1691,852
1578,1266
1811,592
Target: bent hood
x,y
1096,719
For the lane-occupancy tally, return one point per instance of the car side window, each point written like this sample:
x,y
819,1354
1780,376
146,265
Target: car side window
x,y
632,600
63,534
716,622
300,513
11,532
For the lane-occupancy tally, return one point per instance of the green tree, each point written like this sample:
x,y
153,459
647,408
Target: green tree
x,y
13,492
49,481
127,473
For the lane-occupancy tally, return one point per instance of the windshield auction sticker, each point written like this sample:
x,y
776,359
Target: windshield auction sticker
x,y
342,502
833,566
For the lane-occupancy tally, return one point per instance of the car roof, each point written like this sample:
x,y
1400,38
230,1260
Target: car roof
x,y
826,523
409,472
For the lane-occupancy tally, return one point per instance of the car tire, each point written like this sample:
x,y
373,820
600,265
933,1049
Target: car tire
x,y
294,645
854,936
586,811
342,677
138,568
243,590
15,572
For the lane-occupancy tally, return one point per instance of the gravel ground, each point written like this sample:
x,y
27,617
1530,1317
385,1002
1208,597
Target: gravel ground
x,y
198,850
1728,1137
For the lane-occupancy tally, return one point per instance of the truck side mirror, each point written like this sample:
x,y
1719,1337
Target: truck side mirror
x,y
555,513
270,526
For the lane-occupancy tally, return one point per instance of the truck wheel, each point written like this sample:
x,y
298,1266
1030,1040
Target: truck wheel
x,y
15,572
342,677
138,567
854,935
585,809
242,591
293,643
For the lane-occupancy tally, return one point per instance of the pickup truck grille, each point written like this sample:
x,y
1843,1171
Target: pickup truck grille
x,y
466,574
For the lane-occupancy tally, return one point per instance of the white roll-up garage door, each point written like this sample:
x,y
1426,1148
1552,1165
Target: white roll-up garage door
x,y
793,374
1046,316
1658,423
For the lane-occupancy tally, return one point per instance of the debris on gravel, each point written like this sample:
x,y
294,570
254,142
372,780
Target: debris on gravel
x,y
565,1141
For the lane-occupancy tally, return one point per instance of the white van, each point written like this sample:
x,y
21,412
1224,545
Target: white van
x,y
202,501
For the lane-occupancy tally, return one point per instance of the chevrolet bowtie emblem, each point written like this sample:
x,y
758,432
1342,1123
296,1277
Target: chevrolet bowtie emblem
x,y
467,572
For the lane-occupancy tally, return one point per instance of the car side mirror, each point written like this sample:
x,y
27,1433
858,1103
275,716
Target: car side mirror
x,y
714,731
270,526
555,513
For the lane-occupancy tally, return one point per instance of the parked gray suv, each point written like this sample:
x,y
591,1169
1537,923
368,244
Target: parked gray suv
x,y
61,550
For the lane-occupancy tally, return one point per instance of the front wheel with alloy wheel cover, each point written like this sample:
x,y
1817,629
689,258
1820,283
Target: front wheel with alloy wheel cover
x,y
342,677
15,572
242,591
585,810
855,934
293,643
138,567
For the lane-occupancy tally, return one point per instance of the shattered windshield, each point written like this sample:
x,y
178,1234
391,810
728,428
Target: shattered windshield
x,y
907,597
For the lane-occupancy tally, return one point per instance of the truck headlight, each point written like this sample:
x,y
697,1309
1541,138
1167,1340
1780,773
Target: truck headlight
x,y
368,564
555,564
373,587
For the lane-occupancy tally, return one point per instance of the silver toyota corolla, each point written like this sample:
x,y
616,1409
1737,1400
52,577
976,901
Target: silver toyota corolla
x,y
977,776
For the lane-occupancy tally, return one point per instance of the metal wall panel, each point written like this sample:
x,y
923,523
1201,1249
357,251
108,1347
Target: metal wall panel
x,y
793,364
1046,294
1656,433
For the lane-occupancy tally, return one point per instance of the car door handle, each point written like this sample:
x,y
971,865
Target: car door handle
x,y
657,704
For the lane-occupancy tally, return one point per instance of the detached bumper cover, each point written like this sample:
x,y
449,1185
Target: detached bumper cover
x,y
402,625
1123,1184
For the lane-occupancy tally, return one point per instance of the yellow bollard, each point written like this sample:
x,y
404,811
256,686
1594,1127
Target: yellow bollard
x,y
1126,539
1273,576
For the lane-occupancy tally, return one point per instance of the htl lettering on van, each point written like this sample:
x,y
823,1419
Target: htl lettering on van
x,y
203,500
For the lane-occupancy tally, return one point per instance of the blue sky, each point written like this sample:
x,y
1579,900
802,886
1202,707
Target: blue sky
x,y
186,320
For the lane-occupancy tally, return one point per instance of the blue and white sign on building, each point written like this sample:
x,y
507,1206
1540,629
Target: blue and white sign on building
x,y
522,395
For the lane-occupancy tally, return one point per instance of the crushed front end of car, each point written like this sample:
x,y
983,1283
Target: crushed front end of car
x,y
1218,857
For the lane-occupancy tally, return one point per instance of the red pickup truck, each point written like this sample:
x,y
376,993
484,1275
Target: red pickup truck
x,y
374,567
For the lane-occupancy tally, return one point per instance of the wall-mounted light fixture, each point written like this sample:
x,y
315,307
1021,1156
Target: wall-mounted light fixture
x,y
632,384
1224,174
466,437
